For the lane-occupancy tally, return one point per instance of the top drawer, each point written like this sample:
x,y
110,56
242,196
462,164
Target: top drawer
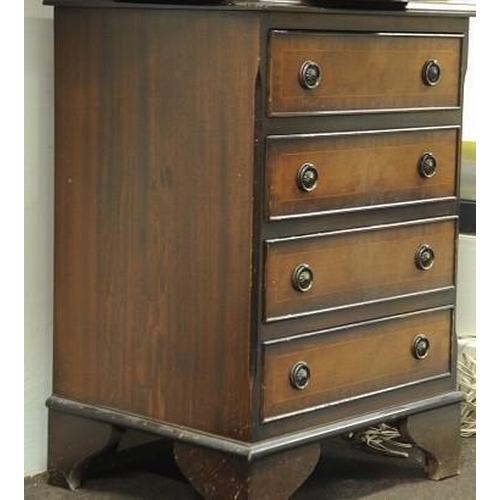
x,y
312,73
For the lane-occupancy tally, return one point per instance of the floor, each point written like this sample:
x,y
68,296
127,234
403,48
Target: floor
x,y
345,471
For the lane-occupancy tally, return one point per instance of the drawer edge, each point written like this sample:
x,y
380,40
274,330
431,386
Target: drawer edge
x,y
354,325
290,114
392,298
363,208
330,404
326,234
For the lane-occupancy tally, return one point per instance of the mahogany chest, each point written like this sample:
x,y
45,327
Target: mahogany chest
x,y
256,234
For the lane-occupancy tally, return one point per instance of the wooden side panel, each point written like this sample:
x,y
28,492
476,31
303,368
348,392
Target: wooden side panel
x,y
359,170
355,266
154,186
354,362
361,72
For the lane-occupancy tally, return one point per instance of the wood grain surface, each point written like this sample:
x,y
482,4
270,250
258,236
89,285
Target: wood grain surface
x,y
163,253
355,361
154,208
356,266
361,72
359,170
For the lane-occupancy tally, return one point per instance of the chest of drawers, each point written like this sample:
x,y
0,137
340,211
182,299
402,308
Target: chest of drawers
x,y
256,228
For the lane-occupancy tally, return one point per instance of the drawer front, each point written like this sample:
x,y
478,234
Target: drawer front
x,y
324,272
345,171
333,72
353,362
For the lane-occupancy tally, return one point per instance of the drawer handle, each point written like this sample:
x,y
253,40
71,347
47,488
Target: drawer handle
x,y
424,258
310,75
300,375
421,347
431,72
427,165
307,177
302,278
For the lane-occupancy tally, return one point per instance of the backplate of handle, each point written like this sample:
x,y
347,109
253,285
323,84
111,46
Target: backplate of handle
x,y
307,177
431,72
427,165
300,375
424,257
302,278
421,346
310,75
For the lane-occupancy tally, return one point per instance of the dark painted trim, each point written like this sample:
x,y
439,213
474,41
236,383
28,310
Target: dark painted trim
x,y
392,298
316,135
363,208
351,326
434,8
301,226
361,111
249,451
376,227
280,32
326,124
127,420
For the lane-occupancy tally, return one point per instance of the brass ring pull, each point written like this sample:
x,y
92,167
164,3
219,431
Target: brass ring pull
x,y
421,347
427,165
310,75
307,177
424,258
302,278
431,72
300,375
